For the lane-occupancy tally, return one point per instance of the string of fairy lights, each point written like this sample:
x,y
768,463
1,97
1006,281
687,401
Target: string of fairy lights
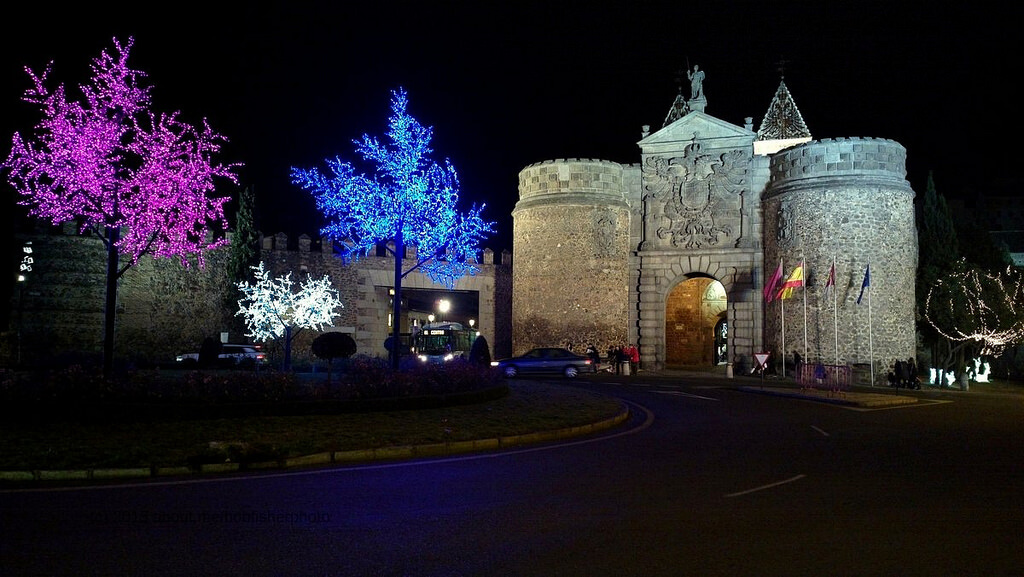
x,y
975,305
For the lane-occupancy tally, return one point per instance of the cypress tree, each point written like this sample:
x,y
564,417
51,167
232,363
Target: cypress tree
x,y
245,243
245,254
938,252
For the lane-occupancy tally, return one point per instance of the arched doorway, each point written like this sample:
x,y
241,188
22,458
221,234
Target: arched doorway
x,y
695,324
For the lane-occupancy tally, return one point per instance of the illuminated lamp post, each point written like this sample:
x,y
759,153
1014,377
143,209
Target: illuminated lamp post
x,y
443,306
25,267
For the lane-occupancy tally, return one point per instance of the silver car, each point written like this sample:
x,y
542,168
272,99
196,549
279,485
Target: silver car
x,y
230,354
545,360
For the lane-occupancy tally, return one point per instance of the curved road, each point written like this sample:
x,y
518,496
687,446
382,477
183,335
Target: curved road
x,y
703,480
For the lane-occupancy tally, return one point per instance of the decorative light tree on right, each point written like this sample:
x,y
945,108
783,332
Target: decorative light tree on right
x,y
976,312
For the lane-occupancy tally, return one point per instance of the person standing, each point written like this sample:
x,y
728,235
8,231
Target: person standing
x,y
634,358
912,374
901,373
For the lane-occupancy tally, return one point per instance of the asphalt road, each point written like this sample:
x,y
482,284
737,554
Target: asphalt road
x,y
703,480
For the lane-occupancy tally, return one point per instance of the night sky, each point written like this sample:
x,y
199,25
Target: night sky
x,y
508,84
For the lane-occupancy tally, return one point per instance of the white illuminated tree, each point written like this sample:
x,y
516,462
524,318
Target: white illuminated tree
x,y
976,312
273,309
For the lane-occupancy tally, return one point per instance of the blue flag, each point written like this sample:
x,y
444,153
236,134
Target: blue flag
x,y
865,284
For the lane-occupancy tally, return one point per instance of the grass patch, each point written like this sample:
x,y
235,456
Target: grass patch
x,y
529,407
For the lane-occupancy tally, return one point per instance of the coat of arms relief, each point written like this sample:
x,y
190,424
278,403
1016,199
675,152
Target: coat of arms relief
x,y
690,189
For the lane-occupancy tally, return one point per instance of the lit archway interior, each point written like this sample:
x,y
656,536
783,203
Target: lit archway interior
x,y
695,327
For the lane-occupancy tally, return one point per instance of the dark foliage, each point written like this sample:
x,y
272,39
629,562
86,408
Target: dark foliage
x,y
480,354
334,345
209,352
79,393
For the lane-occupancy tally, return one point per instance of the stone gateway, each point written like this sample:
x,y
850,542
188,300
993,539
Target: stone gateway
x,y
673,253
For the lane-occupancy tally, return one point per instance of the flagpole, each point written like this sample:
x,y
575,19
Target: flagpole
x,y
782,311
835,308
871,349
805,275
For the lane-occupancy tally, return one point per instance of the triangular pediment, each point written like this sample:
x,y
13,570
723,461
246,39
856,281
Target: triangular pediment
x,y
712,132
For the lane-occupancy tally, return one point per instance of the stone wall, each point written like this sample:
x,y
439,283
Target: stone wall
x,y
364,285
165,309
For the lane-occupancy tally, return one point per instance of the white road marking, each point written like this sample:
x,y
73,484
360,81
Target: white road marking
x,y
819,430
682,394
763,487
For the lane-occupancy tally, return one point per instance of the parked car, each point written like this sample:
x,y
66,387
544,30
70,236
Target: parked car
x,y
546,360
229,355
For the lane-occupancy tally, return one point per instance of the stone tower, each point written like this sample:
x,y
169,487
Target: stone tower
x,y
571,237
848,200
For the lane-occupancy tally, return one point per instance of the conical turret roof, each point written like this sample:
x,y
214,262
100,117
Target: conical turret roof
x,y
783,120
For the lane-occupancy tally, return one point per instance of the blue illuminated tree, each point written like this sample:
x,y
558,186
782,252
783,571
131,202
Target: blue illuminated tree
x,y
410,200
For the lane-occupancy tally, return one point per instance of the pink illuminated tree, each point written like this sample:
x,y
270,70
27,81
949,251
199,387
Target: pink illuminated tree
x,y
142,182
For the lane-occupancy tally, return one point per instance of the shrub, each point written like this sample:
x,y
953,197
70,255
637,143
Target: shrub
x,y
82,393
333,345
480,354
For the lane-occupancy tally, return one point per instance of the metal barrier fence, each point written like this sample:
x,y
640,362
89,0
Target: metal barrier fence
x,y
819,377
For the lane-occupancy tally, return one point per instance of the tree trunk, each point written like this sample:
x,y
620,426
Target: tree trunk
x,y
396,305
110,305
287,348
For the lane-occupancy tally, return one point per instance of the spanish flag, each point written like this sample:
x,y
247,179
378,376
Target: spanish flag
x,y
795,280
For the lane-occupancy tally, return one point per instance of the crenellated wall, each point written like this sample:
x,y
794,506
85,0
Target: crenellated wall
x,y
165,309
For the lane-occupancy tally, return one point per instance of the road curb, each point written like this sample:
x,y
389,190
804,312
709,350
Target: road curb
x,y
855,399
317,459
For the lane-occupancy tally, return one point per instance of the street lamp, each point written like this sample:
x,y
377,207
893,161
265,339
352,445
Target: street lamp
x,y
443,306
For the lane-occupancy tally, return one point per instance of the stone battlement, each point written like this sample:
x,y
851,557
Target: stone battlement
x,y
279,243
575,160
863,157
586,176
